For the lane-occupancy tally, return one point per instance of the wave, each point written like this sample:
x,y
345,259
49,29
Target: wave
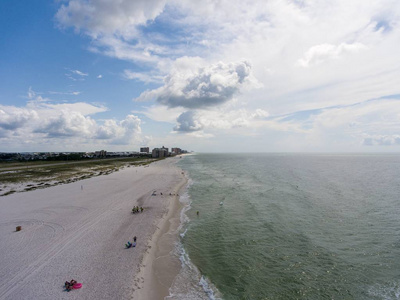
x,y
385,291
189,284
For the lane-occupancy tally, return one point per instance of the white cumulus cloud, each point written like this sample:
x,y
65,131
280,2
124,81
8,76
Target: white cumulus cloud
x,y
205,87
41,122
187,122
224,118
67,124
14,118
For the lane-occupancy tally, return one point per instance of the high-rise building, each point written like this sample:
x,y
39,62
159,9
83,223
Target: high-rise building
x,y
176,151
144,150
159,153
166,150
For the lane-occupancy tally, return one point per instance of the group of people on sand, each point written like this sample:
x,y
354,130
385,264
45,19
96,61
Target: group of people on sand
x,y
137,209
129,244
70,284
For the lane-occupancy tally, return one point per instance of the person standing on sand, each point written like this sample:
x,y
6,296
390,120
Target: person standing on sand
x,y
134,238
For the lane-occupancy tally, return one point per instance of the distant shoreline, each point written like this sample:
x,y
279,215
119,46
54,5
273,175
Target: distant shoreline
x,y
46,174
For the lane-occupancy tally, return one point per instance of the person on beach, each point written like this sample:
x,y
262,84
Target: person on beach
x,y
135,209
68,285
141,209
128,244
134,238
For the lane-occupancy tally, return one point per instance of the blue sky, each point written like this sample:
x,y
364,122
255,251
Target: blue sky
x,y
209,76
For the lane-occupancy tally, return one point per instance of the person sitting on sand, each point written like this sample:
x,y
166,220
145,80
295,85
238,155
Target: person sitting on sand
x,y
73,282
68,286
141,209
128,244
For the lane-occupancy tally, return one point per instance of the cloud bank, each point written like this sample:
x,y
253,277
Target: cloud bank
x,y
42,122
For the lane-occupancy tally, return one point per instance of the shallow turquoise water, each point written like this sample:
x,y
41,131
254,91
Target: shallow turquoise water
x,y
274,226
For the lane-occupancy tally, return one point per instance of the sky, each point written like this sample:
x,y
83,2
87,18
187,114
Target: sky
x,y
205,76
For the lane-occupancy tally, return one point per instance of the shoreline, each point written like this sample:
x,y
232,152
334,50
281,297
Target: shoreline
x,y
159,266
78,230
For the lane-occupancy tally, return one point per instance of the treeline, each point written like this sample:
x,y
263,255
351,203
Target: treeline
x,y
24,157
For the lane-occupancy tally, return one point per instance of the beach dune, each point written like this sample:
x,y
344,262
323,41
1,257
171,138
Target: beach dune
x,y
79,230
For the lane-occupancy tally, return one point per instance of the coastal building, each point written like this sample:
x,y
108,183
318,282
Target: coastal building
x,y
176,151
144,150
166,150
159,153
100,154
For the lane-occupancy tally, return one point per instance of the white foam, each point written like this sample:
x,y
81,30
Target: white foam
x,y
387,291
189,284
186,201
183,233
206,285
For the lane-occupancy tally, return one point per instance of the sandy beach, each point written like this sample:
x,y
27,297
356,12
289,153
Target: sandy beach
x,y
79,231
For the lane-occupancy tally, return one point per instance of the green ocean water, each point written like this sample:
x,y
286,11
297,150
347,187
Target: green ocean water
x,y
286,226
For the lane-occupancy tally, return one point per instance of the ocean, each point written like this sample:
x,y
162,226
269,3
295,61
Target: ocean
x,y
290,226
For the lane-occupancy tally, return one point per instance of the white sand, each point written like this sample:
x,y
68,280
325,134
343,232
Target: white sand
x,y
69,232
